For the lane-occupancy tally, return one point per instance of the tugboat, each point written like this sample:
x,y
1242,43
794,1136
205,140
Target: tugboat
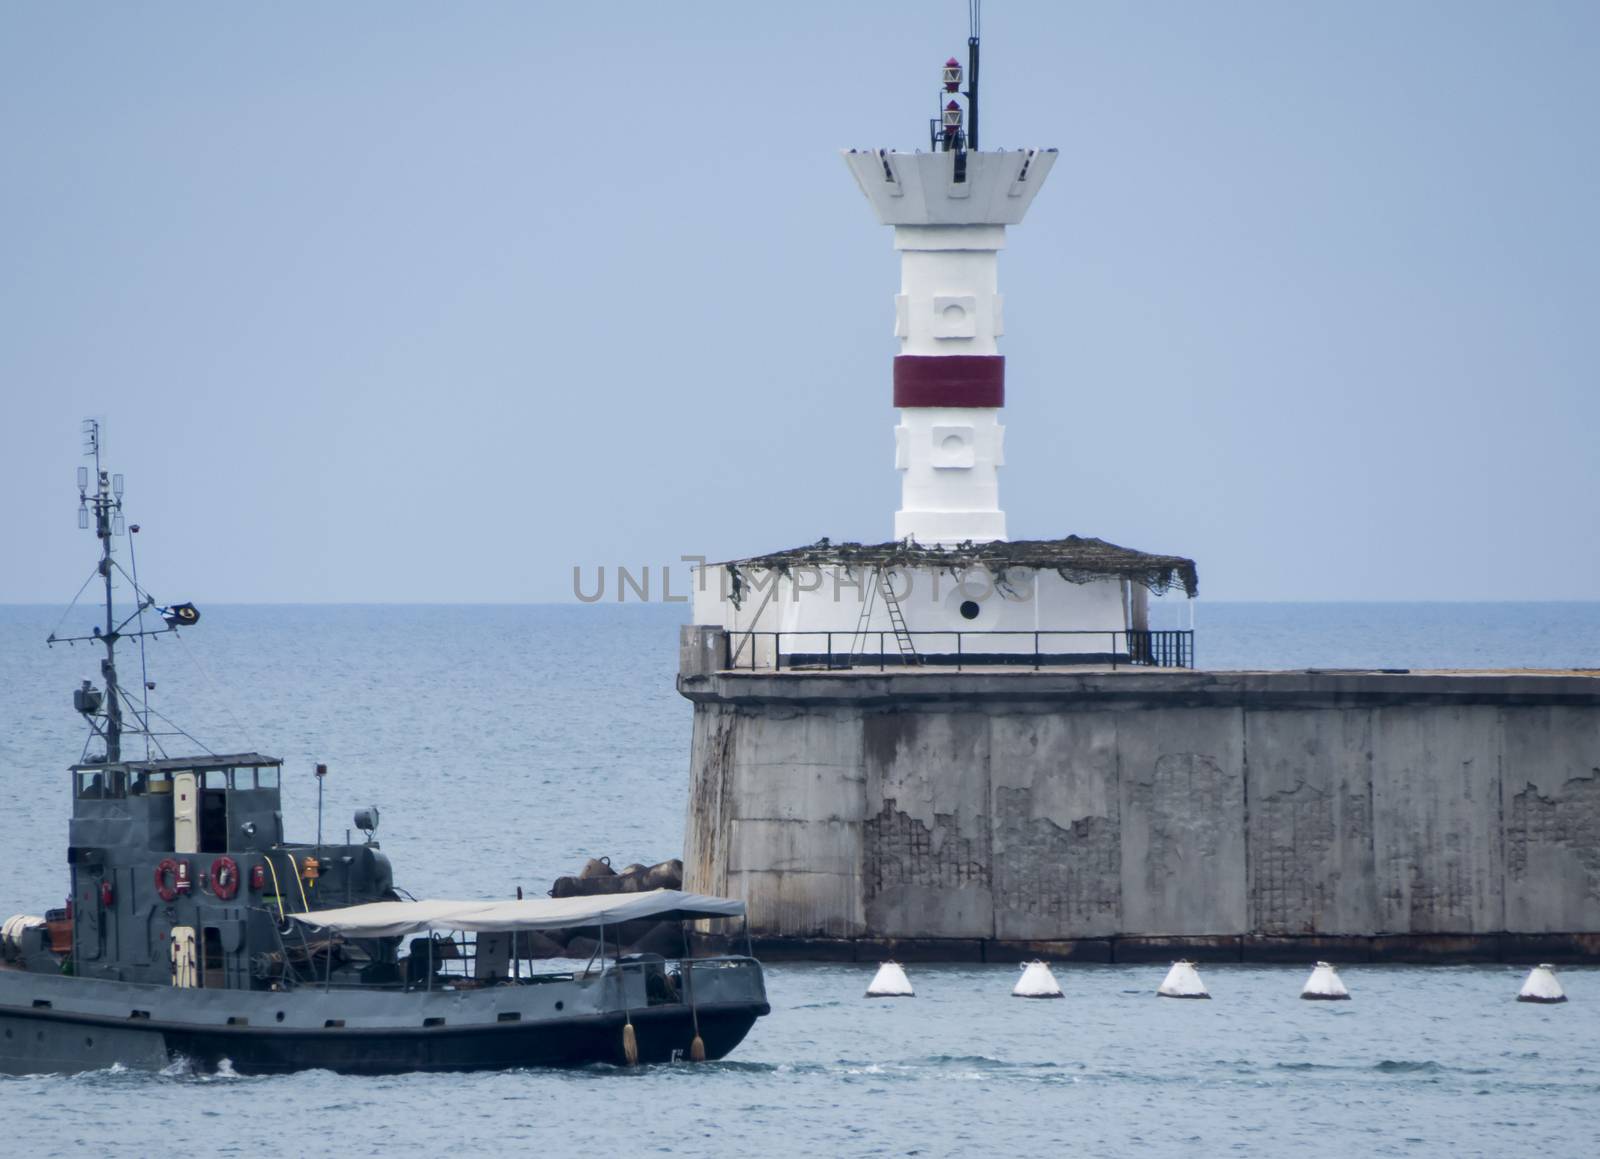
x,y
196,933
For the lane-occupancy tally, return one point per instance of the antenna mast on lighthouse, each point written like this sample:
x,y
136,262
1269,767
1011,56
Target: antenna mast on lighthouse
x,y
945,131
975,21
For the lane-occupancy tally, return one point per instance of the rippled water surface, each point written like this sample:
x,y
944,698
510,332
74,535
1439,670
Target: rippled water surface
x,y
506,744
1420,1061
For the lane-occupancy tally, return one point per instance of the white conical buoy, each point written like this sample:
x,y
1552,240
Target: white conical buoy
x,y
1324,983
1036,982
1182,981
1541,986
890,982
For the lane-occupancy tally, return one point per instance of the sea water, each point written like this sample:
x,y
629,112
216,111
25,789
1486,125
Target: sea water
x,y
504,745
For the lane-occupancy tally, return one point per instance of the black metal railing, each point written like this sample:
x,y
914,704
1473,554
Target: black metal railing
x,y
1147,648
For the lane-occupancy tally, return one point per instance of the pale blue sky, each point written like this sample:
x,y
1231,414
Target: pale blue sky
x,y
389,301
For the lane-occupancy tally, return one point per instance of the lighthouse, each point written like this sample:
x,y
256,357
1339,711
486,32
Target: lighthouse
x,y
951,585
968,742
949,209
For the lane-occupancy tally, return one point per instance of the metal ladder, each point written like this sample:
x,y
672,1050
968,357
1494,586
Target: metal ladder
x,y
880,586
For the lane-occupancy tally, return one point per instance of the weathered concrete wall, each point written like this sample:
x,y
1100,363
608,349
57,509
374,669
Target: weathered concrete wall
x,y
1057,844
1021,807
1309,783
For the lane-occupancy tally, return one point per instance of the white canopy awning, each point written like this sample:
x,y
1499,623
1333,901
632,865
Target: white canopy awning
x,y
387,919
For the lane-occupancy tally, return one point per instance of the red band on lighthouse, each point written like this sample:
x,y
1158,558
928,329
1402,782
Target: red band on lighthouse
x,y
976,380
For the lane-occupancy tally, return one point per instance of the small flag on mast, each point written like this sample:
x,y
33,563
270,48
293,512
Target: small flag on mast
x,y
180,615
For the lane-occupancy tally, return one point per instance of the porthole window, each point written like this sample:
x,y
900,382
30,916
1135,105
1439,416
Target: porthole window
x,y
970,609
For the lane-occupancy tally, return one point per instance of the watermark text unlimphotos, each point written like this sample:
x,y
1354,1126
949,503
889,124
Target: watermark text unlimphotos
x,y
680,582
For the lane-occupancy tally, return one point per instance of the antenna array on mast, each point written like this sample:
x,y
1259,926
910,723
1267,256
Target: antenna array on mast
x,y
100,507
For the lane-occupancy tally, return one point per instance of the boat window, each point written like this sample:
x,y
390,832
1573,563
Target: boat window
x,y
267,778
217,778
142,784
116,783
90,786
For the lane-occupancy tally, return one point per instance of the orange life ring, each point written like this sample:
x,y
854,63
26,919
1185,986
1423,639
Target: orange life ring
x,y
168,874
224,877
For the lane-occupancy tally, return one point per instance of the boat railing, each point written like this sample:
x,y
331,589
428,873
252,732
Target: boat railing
x,y
456,967
450,959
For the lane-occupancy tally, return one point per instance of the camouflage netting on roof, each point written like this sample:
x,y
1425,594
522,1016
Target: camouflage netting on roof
x,y
1076,559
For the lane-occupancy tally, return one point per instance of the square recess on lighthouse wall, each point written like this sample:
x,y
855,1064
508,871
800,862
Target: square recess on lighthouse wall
x,y
955,316
952,448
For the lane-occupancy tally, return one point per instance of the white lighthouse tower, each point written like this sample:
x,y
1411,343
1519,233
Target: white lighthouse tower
x,y
949,210
952,585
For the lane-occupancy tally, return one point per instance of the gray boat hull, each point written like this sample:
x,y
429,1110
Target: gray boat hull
x,y
65,1025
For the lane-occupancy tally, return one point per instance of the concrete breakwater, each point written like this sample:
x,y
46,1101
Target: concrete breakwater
x,y
1140,813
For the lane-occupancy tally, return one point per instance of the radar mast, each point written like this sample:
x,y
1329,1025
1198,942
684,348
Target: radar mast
x,y
104,506
100,509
